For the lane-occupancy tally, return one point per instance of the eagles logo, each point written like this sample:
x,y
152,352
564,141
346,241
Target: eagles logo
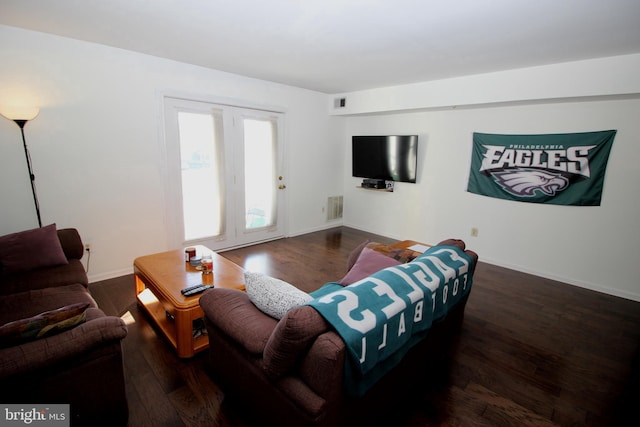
x,y
526,182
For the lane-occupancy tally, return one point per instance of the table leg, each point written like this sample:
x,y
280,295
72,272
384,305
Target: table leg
x,y
184,333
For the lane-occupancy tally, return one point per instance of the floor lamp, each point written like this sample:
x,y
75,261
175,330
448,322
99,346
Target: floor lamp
x,y
21,116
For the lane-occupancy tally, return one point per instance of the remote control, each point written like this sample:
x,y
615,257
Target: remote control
x,y
193,290
190,288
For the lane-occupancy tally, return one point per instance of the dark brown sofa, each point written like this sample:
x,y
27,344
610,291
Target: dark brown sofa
x,y
81,365
289,371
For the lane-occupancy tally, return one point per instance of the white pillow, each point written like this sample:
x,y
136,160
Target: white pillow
x,y
273,296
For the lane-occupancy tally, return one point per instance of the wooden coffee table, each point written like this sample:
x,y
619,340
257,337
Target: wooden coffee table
x,y
160,278
409,244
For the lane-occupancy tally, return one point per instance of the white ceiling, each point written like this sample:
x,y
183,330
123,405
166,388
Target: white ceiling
x,y
335,46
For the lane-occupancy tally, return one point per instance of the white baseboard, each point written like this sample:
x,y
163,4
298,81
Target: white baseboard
x,y
110,275
327,226
567,280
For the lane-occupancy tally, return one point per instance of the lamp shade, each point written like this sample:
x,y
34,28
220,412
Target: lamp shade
x,y
19,113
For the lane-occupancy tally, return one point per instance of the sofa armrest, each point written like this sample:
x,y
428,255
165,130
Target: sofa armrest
x,y
323,367
231,311
71,243
40,354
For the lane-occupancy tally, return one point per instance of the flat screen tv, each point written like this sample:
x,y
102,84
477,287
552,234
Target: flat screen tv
x,y
385,157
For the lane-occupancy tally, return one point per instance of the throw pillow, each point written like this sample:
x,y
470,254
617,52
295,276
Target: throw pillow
x,y
353,256
367,263
31,249
43,325
273,296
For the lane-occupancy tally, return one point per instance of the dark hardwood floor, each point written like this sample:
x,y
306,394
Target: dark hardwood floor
x,y
532,351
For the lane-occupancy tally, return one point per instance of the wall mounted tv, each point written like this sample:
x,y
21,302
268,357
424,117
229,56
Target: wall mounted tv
x,y
385,157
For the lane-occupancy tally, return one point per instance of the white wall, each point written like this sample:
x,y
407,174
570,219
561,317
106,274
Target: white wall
x,y
97,144
593,247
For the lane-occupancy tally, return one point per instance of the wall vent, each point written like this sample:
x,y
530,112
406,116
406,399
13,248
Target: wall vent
x,y
334,208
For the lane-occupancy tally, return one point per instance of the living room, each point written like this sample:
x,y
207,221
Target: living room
x,y
99,155
99,161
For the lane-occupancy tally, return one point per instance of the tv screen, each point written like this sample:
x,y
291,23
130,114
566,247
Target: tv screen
x,y
387,157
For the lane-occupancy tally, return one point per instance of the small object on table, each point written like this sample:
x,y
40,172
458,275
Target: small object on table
x,y
207,264
189,253
194,290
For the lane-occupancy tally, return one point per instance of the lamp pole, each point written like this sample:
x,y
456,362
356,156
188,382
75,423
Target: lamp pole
x,y
32,177
21,115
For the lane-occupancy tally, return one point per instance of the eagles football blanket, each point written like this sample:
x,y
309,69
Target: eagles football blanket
x,y
382,316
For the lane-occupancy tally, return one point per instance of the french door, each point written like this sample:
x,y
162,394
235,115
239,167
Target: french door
x,y
225,184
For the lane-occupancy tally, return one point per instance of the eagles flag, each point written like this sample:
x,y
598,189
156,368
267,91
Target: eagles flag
x,y
560,169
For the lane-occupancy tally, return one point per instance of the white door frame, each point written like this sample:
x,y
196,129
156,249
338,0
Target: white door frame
x,y
234,235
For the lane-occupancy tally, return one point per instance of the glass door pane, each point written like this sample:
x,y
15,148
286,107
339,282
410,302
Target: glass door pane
x,y
259,173
200,176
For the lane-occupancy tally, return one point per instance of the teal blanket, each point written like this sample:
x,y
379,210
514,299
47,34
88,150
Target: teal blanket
x,y
382,316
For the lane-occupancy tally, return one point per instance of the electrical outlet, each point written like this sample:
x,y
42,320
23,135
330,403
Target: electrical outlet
x,y
474,232
87,247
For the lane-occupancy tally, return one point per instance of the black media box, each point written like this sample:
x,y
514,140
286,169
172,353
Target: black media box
x,y
373,183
